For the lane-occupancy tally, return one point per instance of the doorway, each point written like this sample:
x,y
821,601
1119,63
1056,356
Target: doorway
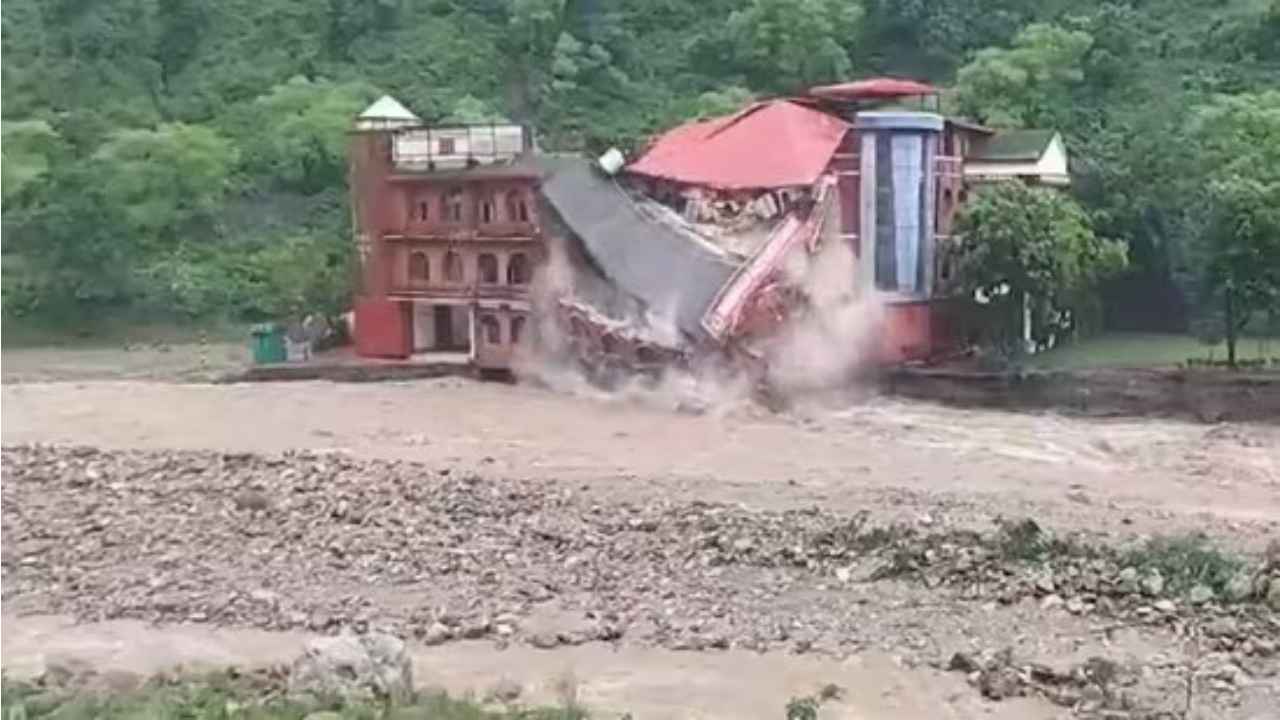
x,y
444,327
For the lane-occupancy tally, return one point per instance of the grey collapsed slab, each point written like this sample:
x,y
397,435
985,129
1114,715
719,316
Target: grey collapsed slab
x,y
668,272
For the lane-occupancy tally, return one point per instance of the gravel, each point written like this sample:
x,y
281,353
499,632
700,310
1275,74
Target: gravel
x,y
325,542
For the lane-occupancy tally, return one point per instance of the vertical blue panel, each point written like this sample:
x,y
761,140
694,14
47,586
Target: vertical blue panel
x,y
908,181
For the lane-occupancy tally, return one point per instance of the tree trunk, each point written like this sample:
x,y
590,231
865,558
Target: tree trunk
x,y
1230,311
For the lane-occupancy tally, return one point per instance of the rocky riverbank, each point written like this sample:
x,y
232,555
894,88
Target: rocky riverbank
x,y
327,542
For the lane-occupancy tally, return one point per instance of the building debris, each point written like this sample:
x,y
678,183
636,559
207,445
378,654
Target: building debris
x,y
707,246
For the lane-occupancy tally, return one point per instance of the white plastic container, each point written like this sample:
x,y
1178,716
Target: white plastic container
x,y
612,161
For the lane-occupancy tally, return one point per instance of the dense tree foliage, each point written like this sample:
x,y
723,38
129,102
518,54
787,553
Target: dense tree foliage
x,y
1238,246
1030,248
186,155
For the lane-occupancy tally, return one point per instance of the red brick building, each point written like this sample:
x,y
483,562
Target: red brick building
x,y
446,223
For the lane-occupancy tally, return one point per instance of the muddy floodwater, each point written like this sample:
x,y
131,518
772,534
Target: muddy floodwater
x,y
1103,474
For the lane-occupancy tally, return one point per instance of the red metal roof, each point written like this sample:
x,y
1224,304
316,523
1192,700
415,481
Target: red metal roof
x,y
873,89
778,143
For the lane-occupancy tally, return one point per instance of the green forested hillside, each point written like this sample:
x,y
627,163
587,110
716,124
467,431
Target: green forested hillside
x,y
185,157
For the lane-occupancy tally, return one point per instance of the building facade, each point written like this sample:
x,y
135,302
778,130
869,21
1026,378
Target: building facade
x,y
446,223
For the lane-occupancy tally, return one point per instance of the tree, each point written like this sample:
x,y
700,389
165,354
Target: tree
x,y
1239,247
297,132
788,45
722,102
163,179
30,147
1024,246
470,109
1027,84
1241,250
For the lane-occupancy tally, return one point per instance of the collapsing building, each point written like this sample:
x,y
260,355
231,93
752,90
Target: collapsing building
x,y
707,246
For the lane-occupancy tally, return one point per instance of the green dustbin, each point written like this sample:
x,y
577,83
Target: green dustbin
x,y
268,343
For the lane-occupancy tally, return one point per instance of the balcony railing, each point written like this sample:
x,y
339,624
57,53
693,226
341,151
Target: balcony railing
x,y
467,229
461,291
457,146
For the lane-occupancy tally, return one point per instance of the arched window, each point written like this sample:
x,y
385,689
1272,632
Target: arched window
x,y
517,329
517,269
423,210
488,268
487,211
490,330
452,267
517,210
451,205
419,267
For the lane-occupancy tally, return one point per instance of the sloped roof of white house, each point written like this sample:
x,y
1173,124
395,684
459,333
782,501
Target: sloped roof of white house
x,y
1039,154
387,108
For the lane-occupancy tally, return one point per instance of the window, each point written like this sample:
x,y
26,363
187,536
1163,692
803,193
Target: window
x,y
446,146
452,267
486,210
517,210
517,269
423,207
451,205
490,331
517,329
419,268
488,268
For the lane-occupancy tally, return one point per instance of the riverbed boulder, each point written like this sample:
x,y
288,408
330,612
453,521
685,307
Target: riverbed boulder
x,y
374,665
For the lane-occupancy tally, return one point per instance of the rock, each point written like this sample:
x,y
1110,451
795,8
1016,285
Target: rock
x,y
475,630
1000,683
963,662
1075,606
436,634
1200,594
252,500
1127,580
1273,594
375,665
324,715
1051,601
1221,627
1153,583
544,640
1240,587
505,690
1045,583
1165,606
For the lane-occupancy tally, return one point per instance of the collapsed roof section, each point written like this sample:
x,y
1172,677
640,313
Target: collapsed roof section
x,y
648,259
773,144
